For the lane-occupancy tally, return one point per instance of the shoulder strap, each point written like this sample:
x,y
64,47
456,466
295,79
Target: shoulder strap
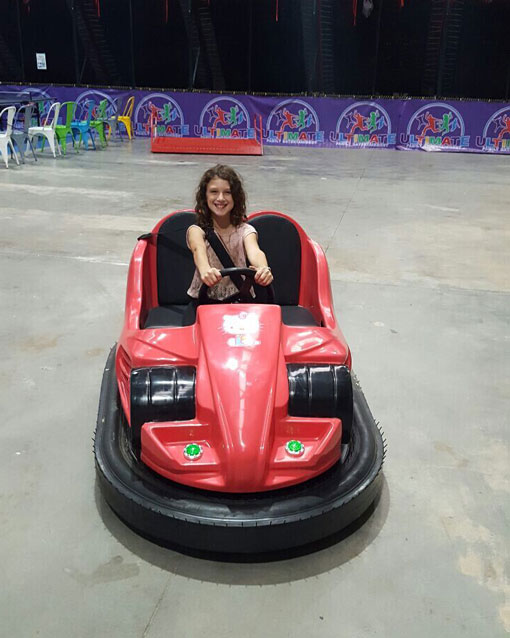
x,y
214,242
168,240
223,256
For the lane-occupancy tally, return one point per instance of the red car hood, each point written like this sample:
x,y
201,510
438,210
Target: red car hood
x,y
241,350
241,423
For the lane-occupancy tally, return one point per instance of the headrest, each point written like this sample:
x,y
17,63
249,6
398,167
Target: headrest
x,y
279,239
175,266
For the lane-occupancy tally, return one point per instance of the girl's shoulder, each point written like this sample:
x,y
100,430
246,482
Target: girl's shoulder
x,y
246,229
194,230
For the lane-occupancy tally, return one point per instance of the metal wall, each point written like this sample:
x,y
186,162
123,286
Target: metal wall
x,y
365,47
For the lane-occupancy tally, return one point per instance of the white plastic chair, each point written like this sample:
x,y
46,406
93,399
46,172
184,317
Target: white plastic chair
x,y
47,130
5,136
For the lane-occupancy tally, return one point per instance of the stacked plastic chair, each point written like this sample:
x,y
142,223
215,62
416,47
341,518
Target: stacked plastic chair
x,y
6,144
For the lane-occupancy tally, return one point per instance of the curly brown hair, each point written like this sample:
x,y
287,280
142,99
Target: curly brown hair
x,y
204,215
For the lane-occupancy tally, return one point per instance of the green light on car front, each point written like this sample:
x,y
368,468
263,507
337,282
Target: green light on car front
x,y
294,448
192,451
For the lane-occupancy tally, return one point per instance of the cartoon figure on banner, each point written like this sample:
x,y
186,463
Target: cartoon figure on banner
x,y
431,124
162,116
300,121
224,117
368,124
364,124
503,126
293,122
97,96
165,112
436,126
496,133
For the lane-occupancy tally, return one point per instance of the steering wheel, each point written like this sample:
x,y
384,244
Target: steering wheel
x,y
243,296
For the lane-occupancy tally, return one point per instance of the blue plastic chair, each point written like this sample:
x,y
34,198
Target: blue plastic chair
x,y
82,126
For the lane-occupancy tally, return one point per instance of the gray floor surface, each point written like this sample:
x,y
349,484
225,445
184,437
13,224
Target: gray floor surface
x,y
418,248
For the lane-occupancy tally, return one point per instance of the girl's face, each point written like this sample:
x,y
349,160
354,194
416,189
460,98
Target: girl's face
x,y
219,197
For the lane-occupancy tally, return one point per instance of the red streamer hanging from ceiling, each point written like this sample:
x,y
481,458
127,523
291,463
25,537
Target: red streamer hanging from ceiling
x,y
98,8
27,5
166,11
276,16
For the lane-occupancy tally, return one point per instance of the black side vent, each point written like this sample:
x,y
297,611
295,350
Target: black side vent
x,y
161,394
321,390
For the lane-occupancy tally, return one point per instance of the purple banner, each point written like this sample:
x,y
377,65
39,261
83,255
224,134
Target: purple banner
x,y
412,124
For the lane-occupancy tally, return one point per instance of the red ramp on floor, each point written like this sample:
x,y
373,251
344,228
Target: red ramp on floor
x,y
209,146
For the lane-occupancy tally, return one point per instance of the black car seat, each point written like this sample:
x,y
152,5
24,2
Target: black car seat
x,y
175,269
278,238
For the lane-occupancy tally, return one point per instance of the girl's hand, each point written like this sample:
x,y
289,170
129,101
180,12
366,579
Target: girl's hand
x,y
263,276
210,277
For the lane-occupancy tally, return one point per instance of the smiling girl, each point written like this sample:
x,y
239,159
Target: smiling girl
x,y
221,207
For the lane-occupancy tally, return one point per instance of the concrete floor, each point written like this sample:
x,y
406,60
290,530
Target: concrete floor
x,y
418,247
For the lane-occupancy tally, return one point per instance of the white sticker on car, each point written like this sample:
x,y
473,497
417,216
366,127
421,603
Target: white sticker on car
x,y
244,328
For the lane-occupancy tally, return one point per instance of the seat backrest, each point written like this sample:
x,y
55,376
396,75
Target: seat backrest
x,y
175,266
69,109
118,104
88,108
8,113
280,241
52,117
128,109
23,119
100,112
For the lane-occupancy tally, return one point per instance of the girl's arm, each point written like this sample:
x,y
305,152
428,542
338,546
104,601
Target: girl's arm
x,y
258,260
208,275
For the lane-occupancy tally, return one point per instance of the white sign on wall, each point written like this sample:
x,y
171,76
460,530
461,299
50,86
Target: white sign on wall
x,y
41,61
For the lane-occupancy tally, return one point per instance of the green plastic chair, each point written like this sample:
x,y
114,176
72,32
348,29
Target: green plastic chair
x,y
63,130
99,121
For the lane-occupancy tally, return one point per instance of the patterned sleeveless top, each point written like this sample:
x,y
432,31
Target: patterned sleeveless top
x,y
233,240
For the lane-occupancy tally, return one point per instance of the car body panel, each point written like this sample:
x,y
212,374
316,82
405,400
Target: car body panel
x,y
240,352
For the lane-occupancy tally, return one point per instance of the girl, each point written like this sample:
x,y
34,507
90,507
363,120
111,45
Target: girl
x,y
221,207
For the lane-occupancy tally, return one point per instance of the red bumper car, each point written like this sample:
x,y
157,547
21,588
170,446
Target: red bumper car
x,y
244,431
